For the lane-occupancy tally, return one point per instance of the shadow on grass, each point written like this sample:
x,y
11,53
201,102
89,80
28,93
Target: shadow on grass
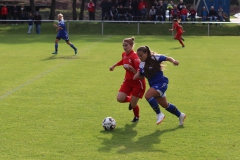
x,y
53,57
176,48
123,140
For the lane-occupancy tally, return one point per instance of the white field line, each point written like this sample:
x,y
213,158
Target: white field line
x,y
46,72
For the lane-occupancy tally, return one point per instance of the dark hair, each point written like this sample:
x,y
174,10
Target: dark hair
x,y
152,66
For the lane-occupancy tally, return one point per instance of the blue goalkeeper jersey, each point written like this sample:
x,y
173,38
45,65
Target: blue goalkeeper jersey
x,y
158,78
62,33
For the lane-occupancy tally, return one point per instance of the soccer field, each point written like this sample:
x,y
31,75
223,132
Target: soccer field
x,y
52,106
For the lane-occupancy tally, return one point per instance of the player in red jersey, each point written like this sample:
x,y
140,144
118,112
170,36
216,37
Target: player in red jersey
x,y
179,30
130,90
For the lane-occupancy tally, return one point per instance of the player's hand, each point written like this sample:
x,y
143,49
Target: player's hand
x,y
176,63
136,76
54,25
112,68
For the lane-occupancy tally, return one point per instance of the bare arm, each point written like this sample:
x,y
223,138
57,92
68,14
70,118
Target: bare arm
x,y
170,59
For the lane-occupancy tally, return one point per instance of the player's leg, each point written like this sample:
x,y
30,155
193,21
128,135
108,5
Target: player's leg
x,y
172,109
71,45
150,97
56,45
179,38
137,93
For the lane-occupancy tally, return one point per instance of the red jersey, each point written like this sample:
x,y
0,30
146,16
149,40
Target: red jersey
x,y
129,59
91,7
177,27
4,11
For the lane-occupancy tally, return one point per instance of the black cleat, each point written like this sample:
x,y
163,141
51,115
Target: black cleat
x,y
129,107
135,119
183,46
182,39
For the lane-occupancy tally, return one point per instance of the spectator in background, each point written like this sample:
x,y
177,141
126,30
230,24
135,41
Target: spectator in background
x,y
220,13
164,4
91,10
30,23
175,13
121,13
184,13
15,15
140,7
37,22
204,14
129,13
160,14
212,14
4,13
163,10
104,6
22,13
180,5
109,6
170,8
152,13
144,13
134,5
192,13
113,13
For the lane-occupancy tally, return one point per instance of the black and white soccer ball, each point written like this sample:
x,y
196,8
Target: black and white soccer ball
x,y
109,123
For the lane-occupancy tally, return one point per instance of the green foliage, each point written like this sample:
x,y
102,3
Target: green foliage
x,y
52,106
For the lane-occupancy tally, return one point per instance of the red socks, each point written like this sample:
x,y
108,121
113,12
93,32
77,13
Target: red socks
x,y
136,111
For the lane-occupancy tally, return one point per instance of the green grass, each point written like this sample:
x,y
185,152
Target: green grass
x,y
86,28
52,106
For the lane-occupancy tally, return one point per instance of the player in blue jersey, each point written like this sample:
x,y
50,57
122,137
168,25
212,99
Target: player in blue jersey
x,y
62,34
151,67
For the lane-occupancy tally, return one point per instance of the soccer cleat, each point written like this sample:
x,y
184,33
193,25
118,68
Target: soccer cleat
x,y
55,53
129,107
160,118
182,38
183,46
181,118
135,119
75,51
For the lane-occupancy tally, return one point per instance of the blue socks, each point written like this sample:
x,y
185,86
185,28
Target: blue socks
x,y
154,104
56,47
172,109
72,46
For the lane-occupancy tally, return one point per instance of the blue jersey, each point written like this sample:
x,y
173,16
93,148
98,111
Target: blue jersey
x,y
158,78
62,33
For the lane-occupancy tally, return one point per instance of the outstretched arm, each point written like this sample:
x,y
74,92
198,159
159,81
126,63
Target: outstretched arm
x,y
170,59
138,76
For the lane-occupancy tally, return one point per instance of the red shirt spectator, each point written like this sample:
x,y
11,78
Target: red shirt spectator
x,y
91,6
4,10
141,4
184,11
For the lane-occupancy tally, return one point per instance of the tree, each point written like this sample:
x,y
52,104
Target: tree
x,y
82,10
32,5
52,10
74,11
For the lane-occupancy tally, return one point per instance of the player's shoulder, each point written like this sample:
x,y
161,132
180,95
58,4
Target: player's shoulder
x,y
142,64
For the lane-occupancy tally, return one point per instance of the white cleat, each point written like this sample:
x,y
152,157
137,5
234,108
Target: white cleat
x,y
181,118
160,118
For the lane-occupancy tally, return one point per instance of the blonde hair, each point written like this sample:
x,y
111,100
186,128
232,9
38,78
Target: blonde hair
x,y
61,15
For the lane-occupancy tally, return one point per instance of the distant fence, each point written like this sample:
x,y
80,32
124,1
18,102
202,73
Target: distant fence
x,y
137,24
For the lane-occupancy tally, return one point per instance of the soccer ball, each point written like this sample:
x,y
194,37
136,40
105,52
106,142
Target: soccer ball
x,y
109,123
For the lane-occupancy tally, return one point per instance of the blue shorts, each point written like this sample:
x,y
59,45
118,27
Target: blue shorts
x,y
161,88
65,37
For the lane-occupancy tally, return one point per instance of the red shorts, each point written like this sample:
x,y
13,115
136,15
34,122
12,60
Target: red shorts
x,y
133,87
178,35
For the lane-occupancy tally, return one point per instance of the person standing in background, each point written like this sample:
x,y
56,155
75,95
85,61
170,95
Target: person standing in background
x,y
4,13
37,22
91,10
30,23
